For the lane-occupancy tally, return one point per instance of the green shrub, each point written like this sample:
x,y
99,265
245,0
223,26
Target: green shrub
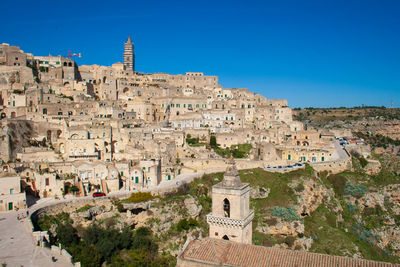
x,y
192,141
185,224
139,197
46,221
287,214
299,187
66,234
355,190
84,208
363,162
338,182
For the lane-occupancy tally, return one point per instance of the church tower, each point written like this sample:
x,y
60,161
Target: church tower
x,y
231,218
129,55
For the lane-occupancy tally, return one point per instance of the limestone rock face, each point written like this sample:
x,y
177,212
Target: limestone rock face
x,y
389,236
141,205
373,167
259,192
193,208
284,228
303,243
371,200
312,196
105,215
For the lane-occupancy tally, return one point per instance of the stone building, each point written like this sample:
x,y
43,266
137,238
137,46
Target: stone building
x,y
11,197
231,218
12,55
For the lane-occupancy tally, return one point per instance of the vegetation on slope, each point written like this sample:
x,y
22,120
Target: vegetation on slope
x,y
345,114
351,232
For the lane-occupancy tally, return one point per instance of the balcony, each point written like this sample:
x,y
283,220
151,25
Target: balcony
x,y
229,222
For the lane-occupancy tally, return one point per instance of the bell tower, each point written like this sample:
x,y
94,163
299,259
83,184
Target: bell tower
x,y
231,218
129,55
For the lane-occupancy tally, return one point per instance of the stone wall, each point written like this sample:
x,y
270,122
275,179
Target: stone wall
x,y
332,166
217,165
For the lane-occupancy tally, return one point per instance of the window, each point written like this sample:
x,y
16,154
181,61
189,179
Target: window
x,y
227,208
136,180
47,182
11,191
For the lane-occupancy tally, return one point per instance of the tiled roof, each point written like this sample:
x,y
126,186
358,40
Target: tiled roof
x,y
227,253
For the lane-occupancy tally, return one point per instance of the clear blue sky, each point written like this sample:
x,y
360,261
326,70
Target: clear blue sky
x,y
320,53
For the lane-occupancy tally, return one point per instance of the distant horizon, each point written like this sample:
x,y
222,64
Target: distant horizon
x,y
319,54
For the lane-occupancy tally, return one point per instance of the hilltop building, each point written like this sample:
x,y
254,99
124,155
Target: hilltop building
x,y
129,55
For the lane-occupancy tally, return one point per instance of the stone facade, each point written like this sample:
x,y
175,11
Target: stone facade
x,y
86,118
11,197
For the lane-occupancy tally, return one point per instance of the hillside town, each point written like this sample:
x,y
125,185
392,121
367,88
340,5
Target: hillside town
x,y
69,129
114,167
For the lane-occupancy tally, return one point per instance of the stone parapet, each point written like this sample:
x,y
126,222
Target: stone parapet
x,y
229,222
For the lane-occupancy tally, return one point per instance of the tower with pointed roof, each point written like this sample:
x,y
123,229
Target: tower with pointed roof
x,y
129,55
231,217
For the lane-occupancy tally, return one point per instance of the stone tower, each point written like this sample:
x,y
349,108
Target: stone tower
x,y
129,55
231,218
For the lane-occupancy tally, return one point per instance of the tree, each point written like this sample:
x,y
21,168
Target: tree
x,y
88,255
213,141
66,234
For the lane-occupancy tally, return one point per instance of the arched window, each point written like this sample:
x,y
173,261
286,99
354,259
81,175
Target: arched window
x,y
225,237
227,208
